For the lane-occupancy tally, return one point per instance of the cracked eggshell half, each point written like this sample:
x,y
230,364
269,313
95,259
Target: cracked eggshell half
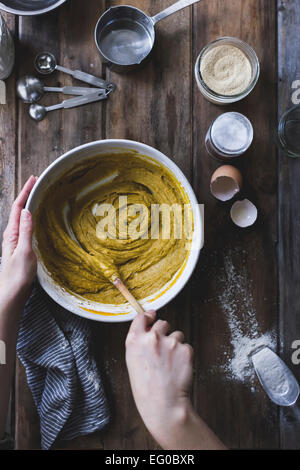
x,y
226,182
243,213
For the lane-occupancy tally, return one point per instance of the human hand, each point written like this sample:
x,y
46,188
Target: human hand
x,y
19,262
160,372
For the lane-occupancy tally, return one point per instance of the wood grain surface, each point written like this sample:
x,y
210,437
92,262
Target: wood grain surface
x,y
246,274
288,215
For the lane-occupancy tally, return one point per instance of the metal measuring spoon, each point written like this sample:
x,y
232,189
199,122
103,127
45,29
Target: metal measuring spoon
x,y
275,377
38,112
45,63
30,89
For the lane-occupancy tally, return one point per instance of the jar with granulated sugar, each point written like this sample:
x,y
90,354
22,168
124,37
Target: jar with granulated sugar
x,y
7,50
232,65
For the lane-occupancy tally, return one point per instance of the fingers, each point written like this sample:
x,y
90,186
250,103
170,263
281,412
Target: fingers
x,y
178,335
25,232
11,234
188,351
25,191
20,202
161,326
142,322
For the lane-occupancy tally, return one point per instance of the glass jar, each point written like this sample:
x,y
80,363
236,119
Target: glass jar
x,y
214,97
229,136
288,134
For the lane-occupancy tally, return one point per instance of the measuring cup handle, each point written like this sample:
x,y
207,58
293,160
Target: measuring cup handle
x,y
172,9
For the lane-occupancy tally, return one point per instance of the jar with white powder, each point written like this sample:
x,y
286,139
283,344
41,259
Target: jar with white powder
x,y
229,136
226,70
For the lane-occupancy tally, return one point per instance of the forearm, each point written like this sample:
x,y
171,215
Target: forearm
x,y
10,312
187,431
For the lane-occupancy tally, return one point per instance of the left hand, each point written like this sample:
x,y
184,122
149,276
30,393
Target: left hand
x,y
19,262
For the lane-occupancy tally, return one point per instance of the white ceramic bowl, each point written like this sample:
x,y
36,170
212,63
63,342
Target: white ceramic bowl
x,y
111,312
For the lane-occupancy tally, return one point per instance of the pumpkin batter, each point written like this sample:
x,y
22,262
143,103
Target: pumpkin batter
x,y
73,247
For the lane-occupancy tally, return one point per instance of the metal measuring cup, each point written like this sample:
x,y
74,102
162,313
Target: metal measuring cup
x,y
125,35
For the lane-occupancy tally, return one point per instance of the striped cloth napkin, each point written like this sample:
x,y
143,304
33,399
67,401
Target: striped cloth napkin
x,y
54,347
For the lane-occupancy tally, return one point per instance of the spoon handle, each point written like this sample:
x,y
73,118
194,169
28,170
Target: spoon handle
x,y
79,101
128,296
84,77
71,90
172,9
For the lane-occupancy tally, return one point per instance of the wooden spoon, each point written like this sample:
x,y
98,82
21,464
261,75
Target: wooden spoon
x,y
127,295
110,271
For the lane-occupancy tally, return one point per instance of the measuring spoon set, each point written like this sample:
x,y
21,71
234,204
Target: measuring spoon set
x,y
30,89
124,36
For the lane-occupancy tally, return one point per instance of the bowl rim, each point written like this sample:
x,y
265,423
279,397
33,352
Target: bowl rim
x,y
15,11
198,236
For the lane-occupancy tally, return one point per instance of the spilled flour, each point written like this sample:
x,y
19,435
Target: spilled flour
x,y
93,378
237,303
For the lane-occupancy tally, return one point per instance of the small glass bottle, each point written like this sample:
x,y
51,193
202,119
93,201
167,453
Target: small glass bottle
x,y
229,136
288,134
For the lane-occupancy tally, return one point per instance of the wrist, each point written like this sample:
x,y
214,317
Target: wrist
x,y
185,430
172,421
12,301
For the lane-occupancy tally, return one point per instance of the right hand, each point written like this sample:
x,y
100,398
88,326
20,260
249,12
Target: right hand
x,y
160,372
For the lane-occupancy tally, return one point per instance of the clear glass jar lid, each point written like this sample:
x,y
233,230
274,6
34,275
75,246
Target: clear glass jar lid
x,y
232,133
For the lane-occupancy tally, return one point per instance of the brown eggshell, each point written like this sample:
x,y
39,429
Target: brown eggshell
x,y
226,182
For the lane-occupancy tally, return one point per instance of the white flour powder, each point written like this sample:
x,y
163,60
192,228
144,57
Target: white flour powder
x,y
245,332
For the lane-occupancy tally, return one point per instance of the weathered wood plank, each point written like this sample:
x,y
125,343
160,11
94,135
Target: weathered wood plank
x,y
160,105
152,105
8,142
289,241
8,164
235,284
68,33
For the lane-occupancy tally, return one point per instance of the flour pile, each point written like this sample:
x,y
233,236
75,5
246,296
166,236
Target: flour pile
x,y
246,335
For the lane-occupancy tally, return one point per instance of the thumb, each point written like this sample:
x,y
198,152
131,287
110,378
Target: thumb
x,y
25,231
142,321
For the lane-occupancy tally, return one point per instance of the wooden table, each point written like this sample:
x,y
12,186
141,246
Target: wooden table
x,y
162,106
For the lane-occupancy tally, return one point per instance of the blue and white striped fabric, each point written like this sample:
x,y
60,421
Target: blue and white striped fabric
x,y
54,347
